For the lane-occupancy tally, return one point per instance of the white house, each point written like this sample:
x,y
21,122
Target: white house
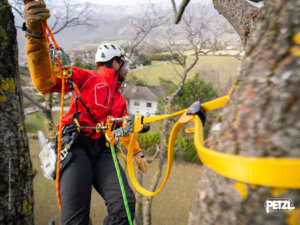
x,y
141,99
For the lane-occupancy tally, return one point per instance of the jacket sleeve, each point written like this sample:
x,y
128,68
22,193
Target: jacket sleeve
x,y
39,64
126,141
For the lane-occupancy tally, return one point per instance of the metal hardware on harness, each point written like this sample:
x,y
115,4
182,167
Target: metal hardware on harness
x,y
134,123
196,109
120,132
63,153
77,124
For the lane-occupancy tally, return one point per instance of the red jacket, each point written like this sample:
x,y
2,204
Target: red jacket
x,y
100,93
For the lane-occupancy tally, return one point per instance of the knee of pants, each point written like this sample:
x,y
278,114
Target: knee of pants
x,y
117,208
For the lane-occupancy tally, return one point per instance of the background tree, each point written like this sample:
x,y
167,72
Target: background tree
x,y
66,15
141,27
196,39
16,189
261,117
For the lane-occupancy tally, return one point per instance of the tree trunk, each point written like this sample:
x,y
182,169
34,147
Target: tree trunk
x,y
240,14
261,119
16,188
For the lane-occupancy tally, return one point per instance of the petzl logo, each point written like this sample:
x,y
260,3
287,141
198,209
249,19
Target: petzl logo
x,y
279,205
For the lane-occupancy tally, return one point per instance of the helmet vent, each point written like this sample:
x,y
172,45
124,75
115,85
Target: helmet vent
x,y
102,55
113,46
106,46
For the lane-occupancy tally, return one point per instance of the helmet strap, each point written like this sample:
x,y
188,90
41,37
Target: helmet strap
x,y
118,71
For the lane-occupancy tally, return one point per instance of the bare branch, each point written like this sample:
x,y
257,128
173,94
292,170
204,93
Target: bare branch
x,y
43,108
174,7
68,15
155,155
142,26
73,17
178,14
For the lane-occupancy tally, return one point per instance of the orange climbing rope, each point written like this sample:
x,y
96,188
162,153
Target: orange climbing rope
x,y
47,31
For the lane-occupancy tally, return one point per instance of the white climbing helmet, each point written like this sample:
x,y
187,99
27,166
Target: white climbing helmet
x,y
107,51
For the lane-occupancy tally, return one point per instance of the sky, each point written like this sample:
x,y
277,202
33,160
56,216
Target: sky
x,y
133,2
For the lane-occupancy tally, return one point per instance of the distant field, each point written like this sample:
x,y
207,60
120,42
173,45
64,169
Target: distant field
x,y
170,207
220,70
34,121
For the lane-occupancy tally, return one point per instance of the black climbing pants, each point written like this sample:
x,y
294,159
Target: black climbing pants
x,y
92,164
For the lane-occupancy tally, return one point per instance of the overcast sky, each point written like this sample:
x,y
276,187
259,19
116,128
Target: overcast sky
x,y
133,2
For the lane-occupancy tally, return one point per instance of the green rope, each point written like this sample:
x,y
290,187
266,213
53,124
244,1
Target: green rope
x,y
121,183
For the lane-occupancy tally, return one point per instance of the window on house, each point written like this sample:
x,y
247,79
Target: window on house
x,y
149,104
135,103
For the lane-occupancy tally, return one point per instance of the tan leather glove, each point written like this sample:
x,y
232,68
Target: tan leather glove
x,y
141,162
35,12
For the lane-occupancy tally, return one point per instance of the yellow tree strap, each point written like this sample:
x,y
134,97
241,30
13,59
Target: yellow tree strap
x,y
132,176
275,172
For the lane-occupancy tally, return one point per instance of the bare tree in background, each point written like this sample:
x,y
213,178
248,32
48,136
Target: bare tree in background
x,y
63,16
262,116
196,40
141,27
218,28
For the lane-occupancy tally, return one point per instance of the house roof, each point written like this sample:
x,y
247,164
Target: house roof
x,y
139,93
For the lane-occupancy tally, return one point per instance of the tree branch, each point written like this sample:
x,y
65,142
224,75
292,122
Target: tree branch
x,y
35,102
240,14
178,14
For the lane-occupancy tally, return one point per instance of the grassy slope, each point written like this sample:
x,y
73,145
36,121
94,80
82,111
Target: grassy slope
x,y
206,64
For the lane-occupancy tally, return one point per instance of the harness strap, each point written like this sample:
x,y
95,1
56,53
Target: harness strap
x,y
76,94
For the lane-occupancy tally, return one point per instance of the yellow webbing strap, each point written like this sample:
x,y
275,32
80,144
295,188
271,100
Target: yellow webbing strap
x,y
208,106
132,176
275,172
217,103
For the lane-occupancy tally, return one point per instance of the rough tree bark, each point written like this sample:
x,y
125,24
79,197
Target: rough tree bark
x,y
16,188
261,119
240,14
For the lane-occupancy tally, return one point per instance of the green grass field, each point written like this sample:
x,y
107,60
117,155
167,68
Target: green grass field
x,y
226,66
179,194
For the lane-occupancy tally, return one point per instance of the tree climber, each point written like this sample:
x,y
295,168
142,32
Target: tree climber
x,y
90,162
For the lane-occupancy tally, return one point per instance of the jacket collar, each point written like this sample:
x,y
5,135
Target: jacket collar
x,y
108,74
